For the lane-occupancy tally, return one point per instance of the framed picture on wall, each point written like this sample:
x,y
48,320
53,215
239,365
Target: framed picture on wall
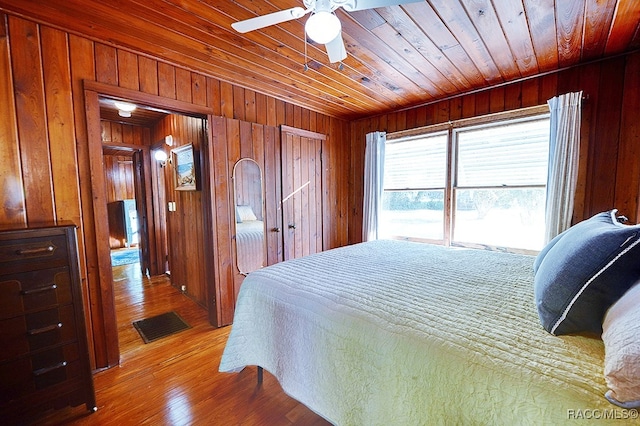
x,y
184,166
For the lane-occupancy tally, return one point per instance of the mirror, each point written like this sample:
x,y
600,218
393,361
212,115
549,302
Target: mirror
x,y
249,210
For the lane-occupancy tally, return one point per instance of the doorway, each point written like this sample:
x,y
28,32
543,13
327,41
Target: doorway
x,y
100,277
125,141
128,241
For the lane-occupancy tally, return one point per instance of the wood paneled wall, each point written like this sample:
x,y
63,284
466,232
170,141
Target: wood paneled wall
x,y
610,142
46,174
119,177
116,134
185,225
233,140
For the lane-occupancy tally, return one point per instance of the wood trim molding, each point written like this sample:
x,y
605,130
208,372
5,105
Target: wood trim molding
x,y
102,298
127,148
303,133
473,121
165,104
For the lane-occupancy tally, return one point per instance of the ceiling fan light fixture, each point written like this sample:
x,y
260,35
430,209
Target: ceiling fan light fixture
x,y
322,27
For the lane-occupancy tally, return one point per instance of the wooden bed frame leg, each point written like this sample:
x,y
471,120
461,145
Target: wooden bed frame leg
x,y
260,372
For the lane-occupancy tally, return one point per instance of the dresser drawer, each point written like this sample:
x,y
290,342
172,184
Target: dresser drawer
x,y
39,371
35,331
34,290
49,248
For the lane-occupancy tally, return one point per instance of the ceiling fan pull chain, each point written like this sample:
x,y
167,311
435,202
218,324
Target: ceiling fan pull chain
x,y
306,67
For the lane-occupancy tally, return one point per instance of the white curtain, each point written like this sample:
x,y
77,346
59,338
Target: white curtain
x,y
373,184
564,147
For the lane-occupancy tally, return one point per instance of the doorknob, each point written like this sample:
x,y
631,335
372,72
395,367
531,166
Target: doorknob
x,y
292,226
275,229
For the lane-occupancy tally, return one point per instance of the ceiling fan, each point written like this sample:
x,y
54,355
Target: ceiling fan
x,y
323,26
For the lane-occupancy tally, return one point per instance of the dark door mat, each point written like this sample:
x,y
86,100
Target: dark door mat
x,y
160,326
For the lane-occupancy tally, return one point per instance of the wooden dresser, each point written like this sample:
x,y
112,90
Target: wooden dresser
x,y
44,358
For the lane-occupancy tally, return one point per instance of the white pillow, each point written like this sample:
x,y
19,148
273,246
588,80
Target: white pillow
x,y
245,213
621,337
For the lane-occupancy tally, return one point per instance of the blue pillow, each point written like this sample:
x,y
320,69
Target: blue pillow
x,y
583,271
544,251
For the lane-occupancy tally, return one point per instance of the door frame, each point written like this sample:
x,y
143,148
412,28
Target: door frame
x,y
103,321
288,210
140,155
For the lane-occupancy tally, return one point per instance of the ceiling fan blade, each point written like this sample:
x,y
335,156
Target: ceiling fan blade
x,y
336,50
269,19
372,4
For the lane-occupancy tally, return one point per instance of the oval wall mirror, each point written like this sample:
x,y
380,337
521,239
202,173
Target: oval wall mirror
x,y
249,209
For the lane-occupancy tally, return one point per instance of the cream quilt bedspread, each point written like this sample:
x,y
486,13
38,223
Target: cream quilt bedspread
x,y
250,245
400,333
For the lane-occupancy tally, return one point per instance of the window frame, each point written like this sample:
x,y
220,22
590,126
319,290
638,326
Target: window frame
x,y
436,133
452,130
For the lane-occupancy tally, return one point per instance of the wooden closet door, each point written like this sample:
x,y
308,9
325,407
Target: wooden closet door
x,y
302,204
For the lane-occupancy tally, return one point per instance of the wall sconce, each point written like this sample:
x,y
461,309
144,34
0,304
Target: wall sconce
x,y
124,108
161,157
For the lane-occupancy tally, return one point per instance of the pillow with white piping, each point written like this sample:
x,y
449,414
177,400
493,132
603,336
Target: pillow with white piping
x,y
587,268
621,337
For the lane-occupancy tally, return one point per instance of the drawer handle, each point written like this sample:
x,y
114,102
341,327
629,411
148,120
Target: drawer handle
x,y
23,252
51,327
45,370
38,290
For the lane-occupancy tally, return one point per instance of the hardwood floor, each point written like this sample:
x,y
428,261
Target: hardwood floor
x,y
175,380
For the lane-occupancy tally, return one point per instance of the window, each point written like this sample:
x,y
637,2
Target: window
x,y
481,185
414,186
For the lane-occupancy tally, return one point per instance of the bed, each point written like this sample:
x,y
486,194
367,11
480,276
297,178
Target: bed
x,y
250,245
402,333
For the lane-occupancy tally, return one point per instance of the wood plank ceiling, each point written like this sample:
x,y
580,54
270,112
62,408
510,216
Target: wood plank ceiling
x,y
143,115
398,56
